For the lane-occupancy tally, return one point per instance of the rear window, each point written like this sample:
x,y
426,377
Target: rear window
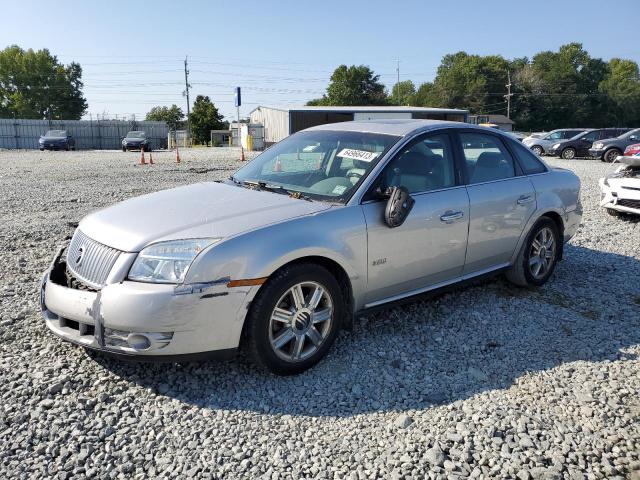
x,y
528,161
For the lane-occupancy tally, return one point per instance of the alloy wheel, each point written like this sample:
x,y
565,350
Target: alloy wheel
x,y
537,150
301,321
542,253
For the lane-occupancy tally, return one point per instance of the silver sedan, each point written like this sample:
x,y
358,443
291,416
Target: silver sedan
x,y
331,222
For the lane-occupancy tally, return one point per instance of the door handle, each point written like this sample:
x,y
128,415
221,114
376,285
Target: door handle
x,y
451,216
524,199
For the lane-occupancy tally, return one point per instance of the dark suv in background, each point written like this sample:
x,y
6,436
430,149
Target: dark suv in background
x,y
579,145
609,149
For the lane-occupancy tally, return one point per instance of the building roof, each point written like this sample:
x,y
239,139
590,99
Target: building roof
x,y
351,109
399,127
498,118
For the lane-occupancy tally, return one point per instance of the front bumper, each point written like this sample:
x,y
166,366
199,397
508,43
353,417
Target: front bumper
x,y
617,197
554,152
173,322
53,146
596,153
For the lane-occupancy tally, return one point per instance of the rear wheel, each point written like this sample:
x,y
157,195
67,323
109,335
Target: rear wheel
x,y
294,319
568,153
538,255
611,154
537,149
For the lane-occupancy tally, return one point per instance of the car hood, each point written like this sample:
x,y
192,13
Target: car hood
x,y
201,210
134,140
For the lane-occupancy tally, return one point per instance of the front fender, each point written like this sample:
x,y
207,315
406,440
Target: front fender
x,y
338,234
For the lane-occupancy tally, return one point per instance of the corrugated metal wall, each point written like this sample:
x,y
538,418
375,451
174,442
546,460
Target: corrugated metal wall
x,y
276,123
89,134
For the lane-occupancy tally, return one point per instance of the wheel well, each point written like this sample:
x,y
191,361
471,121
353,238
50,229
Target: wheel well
x,y
560,224
340,275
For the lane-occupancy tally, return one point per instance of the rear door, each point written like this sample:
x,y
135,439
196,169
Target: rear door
x,y
501,201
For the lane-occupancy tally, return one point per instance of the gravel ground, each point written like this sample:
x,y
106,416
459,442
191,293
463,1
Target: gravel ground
x,y
490,381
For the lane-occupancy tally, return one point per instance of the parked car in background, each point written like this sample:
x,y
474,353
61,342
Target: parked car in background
x,y
136,140
57,140
609,149
621,188
330,222
632,150
539,143
579,145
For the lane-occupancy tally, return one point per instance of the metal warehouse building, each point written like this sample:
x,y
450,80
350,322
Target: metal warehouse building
x,y
281,122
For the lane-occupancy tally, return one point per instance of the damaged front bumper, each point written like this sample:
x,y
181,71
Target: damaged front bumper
x,y
620,194
143,320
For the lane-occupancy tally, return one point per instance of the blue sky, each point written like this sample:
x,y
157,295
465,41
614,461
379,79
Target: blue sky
x,y
283,52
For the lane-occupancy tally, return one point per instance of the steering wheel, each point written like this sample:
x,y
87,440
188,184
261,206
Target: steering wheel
x,y
353,173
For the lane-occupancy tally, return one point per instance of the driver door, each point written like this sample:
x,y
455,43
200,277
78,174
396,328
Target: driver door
x,y
429,247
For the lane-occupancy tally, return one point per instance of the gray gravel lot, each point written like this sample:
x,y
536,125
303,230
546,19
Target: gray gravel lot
x,y
489,381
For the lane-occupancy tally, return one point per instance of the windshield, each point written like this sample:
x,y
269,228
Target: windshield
x,y
322,164
135,135
56,133
629,134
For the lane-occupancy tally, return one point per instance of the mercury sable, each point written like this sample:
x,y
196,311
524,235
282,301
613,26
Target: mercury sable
x,y
327,224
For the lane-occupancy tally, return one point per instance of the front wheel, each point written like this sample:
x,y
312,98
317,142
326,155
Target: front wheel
x,y
611,155
538,255
537,149
568,153
294,319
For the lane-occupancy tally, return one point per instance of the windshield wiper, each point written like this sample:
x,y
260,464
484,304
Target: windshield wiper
x,y
273,188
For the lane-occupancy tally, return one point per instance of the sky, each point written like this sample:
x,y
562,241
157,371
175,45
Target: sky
x,y
282,53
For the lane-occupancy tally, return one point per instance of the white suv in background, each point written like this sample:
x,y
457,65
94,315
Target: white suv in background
x,y
539,143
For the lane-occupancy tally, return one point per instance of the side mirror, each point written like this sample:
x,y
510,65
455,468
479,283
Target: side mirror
x,y
398,206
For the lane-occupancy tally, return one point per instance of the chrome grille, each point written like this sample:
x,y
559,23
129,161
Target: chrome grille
x,y
89,261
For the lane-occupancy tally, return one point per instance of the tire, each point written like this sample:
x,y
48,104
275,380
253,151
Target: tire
x,y
124,149
537,149
67,148
568,153
613,213
610,155
288,341
529,273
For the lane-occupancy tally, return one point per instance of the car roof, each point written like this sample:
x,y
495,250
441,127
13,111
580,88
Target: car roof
x,y
397,127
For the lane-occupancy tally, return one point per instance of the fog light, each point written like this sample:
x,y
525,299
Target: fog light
x,y
136,341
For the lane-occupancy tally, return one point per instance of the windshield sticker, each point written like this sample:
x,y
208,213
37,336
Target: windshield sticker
x,y
339,189
358,154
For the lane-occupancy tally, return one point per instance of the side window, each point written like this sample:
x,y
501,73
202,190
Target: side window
x,y
486,157
555,136
528,161
591,137
427,164
569,134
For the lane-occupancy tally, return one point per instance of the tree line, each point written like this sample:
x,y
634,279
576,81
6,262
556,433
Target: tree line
x,y
565,88
553,89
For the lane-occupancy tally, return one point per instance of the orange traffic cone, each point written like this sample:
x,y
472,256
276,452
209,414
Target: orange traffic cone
x,y
142,162
150,159
177,154
242,159
277,167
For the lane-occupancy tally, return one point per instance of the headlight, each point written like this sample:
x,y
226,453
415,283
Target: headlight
x,y
598,145
167,262
556,146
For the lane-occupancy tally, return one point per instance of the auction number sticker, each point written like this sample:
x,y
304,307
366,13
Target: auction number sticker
x,y
357,154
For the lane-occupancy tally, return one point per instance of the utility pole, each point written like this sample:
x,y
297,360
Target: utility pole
x,y
509,94
398,82
186,93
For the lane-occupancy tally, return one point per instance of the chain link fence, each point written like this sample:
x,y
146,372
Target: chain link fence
x,y
88,134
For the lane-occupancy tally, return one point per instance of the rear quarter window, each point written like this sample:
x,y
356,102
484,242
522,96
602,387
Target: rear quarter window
x,y
528,161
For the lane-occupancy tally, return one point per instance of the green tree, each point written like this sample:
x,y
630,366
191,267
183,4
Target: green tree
x,y
33,84
622,87
204,118
403,93
172,115
354,85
